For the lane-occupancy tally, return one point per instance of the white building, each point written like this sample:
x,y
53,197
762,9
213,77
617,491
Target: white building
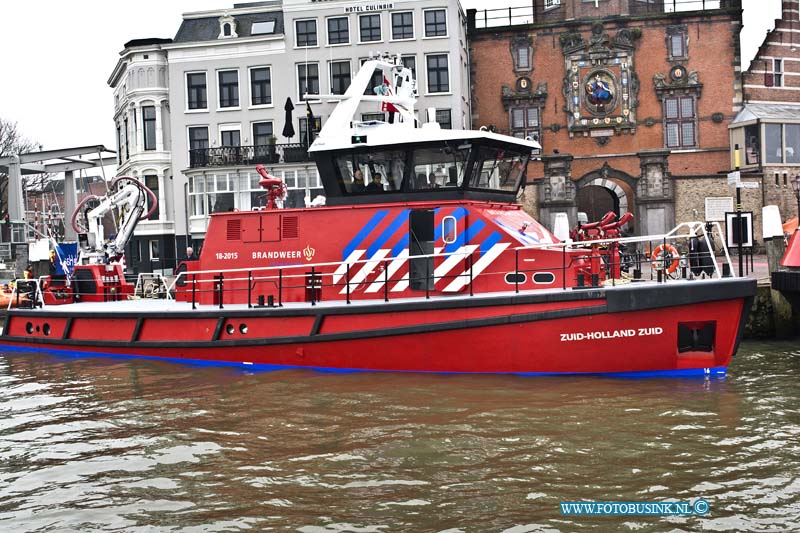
x,y
230,74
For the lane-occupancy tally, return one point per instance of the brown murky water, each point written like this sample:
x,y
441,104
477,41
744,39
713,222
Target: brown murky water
x,y
141,445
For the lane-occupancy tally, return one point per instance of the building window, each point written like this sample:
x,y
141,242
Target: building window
x,y
438,73
444,119
306,32
679,122
375,81
262,131
149,122
226,30
228,88
340,76
196,89
154,253
436,23
308,79
151,182
522,57
127,135
316,128
260,86
230,137
525,123
403,25
410,62
777,69
120,144
549,4
370,26
677,43
792,135
338,30
198,146
263,27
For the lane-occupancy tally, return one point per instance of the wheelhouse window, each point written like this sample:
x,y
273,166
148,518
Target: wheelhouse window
x,y
436,23
149,123
228,88
680,122
340,76
196,90
370,28
435,168
438,73
498,169
403,25
306,32
369,173
260,86
338,30
308,79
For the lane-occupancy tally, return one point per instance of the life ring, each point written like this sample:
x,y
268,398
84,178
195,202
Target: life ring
x,y
659,256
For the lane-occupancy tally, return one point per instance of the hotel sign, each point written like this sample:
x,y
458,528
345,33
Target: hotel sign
x,y
362,8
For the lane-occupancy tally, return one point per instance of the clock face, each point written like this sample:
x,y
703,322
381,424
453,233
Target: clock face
x,y
523,84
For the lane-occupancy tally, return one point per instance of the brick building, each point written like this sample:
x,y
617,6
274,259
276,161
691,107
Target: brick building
x,y
767,129
630,100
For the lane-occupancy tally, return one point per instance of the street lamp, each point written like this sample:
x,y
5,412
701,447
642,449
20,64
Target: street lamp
x,y
796,189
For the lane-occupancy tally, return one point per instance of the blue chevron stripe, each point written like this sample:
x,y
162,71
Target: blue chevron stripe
x,y
400,220
466,236
365,231
490,241
458,213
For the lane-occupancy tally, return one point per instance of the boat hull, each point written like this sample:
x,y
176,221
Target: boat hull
x,y
633,329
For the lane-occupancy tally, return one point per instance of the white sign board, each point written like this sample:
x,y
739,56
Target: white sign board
x,y
749,185
717,206
734,177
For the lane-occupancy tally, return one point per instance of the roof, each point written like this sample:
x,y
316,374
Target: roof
x,y
147,42
207,28
767,112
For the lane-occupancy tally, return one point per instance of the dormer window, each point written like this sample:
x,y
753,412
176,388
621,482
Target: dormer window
x,y
263,28
227,27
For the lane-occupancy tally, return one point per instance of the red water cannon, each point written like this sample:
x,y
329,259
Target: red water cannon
x,y
276,189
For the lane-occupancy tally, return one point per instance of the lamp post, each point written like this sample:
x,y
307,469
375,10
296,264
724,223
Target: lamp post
x,y
736,162
796,189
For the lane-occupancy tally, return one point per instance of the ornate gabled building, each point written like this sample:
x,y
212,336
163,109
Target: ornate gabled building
x,y
630,101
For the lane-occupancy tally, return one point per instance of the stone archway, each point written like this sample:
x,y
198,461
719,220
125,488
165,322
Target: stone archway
x,y
605,189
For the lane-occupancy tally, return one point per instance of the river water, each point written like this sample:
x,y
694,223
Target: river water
x,y
142,445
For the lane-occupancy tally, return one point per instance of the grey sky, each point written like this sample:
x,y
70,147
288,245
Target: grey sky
x,y
57,55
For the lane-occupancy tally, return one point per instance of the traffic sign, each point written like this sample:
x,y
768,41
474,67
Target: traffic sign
x,y
734,177
748,184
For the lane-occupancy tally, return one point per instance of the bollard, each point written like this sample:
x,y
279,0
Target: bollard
x,y
270,300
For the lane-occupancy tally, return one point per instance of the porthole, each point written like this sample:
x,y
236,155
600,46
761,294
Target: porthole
x,y
46,329
544,278
29,327
513,278
229,329
243,329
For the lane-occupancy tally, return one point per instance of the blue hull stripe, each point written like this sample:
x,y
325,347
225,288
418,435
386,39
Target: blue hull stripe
x,y
365,231
490,241
400,220
713,372
466,237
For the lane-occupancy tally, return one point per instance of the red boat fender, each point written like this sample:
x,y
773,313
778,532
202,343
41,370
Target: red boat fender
x,y
658,257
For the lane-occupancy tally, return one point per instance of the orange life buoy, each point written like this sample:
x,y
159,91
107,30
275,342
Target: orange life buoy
x,y
662,254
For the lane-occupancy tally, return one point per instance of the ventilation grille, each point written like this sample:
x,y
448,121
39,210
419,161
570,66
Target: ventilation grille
x,y
235,229
289,228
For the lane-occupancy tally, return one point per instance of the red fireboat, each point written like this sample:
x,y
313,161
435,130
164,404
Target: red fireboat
x,y
420,260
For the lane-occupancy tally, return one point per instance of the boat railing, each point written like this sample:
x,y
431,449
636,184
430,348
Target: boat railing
x,y
316,276
151,285
31,289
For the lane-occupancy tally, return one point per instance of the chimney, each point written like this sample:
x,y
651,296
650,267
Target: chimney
x,y
790,10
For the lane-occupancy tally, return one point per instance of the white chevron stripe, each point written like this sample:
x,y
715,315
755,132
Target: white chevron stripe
x,y
354,256
394,266
452,261
479,266
366,270
403,283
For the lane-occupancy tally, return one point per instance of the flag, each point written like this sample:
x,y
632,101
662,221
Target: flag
x,y
309,124
386,106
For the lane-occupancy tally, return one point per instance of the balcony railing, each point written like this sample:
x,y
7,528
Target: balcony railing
x,y
229,156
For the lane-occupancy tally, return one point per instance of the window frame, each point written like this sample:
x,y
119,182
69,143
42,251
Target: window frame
x,y
328,30
370,16
427,74
228,127
391,26
777,72
258,123
526,130
551,4
250,71
299,82
238,105
297,33
425,24
189,88
152,145
330,75
449,117
680,120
